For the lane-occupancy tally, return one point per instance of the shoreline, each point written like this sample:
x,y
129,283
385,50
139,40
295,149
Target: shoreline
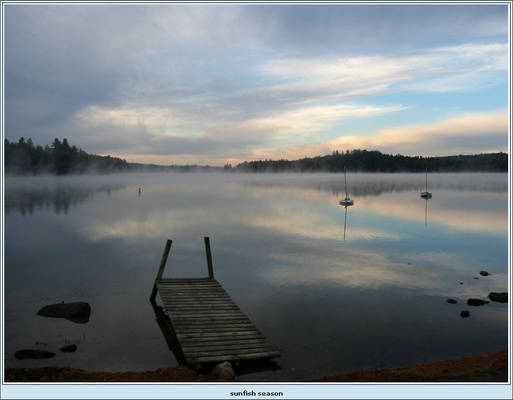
x,y
492,367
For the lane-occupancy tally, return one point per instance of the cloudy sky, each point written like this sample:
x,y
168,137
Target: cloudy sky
x,y
210,84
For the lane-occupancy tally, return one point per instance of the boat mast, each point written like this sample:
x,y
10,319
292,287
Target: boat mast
x,y
345,181
426,180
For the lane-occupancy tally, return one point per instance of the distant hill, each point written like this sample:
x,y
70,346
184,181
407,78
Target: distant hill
x,y
61,158
375,161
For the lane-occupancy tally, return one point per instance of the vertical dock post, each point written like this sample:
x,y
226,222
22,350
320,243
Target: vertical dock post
x,y
161,269
209,258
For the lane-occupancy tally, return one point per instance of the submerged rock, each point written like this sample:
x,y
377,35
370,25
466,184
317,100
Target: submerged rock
x,y
499,297
451,301
484,273
77,312
476,302
465,314
70,348
224,371
30,353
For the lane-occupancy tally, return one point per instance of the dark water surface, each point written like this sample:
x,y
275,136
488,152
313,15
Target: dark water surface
x,y
330,301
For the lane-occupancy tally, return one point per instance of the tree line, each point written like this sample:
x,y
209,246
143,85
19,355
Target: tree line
x,y
375,161
23,157
60,158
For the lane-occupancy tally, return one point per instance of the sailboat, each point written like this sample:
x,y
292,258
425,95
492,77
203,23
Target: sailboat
x,y
426,194
347,201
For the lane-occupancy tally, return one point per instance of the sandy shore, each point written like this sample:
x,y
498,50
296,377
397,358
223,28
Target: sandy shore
x,y
484,368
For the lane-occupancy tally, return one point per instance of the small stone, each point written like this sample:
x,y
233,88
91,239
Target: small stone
x,y
461,283
475,277
476,302
224,371
70,348
451,301
499,297
484,273
30,353
465,314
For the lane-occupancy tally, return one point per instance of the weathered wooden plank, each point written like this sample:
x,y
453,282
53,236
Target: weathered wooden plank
x,y
205,305
219,334
226,351
192,290
196,297
219,325
189,283
209,346
191,287
207,314
204,310
220,328
185,280
213,344
209,321
196,304
187,320
233,357
193,293
206,336
214,302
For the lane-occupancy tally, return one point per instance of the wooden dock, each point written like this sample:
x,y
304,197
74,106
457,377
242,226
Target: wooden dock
x,y
208,325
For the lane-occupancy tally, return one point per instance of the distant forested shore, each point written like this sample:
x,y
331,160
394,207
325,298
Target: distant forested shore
x,y
61,158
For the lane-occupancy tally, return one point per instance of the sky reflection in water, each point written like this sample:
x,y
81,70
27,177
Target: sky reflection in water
x,y
374,299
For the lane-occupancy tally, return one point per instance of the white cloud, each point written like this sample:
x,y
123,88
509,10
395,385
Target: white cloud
x,y
309,120
410,139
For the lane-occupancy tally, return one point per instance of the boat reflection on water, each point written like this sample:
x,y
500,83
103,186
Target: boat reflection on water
x,y
425,212
345,221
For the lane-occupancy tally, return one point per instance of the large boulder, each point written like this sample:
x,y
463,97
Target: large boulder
x,y
30,353
223,372
500,297
476,302
77,311
70,348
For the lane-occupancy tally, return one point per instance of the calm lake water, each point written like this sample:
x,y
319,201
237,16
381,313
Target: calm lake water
x,y
330,300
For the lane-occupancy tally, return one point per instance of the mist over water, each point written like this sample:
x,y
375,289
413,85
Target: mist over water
x,y
330,300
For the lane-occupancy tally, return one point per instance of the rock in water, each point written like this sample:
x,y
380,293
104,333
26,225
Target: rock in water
x,y
224,371
476,302
451,301
77,312
499,297
465,314
29,353
484,273
70,348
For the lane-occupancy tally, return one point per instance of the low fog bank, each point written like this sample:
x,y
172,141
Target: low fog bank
x,y
361,184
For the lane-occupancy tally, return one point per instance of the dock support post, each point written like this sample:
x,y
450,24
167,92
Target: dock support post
x,y
209,258
161,269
